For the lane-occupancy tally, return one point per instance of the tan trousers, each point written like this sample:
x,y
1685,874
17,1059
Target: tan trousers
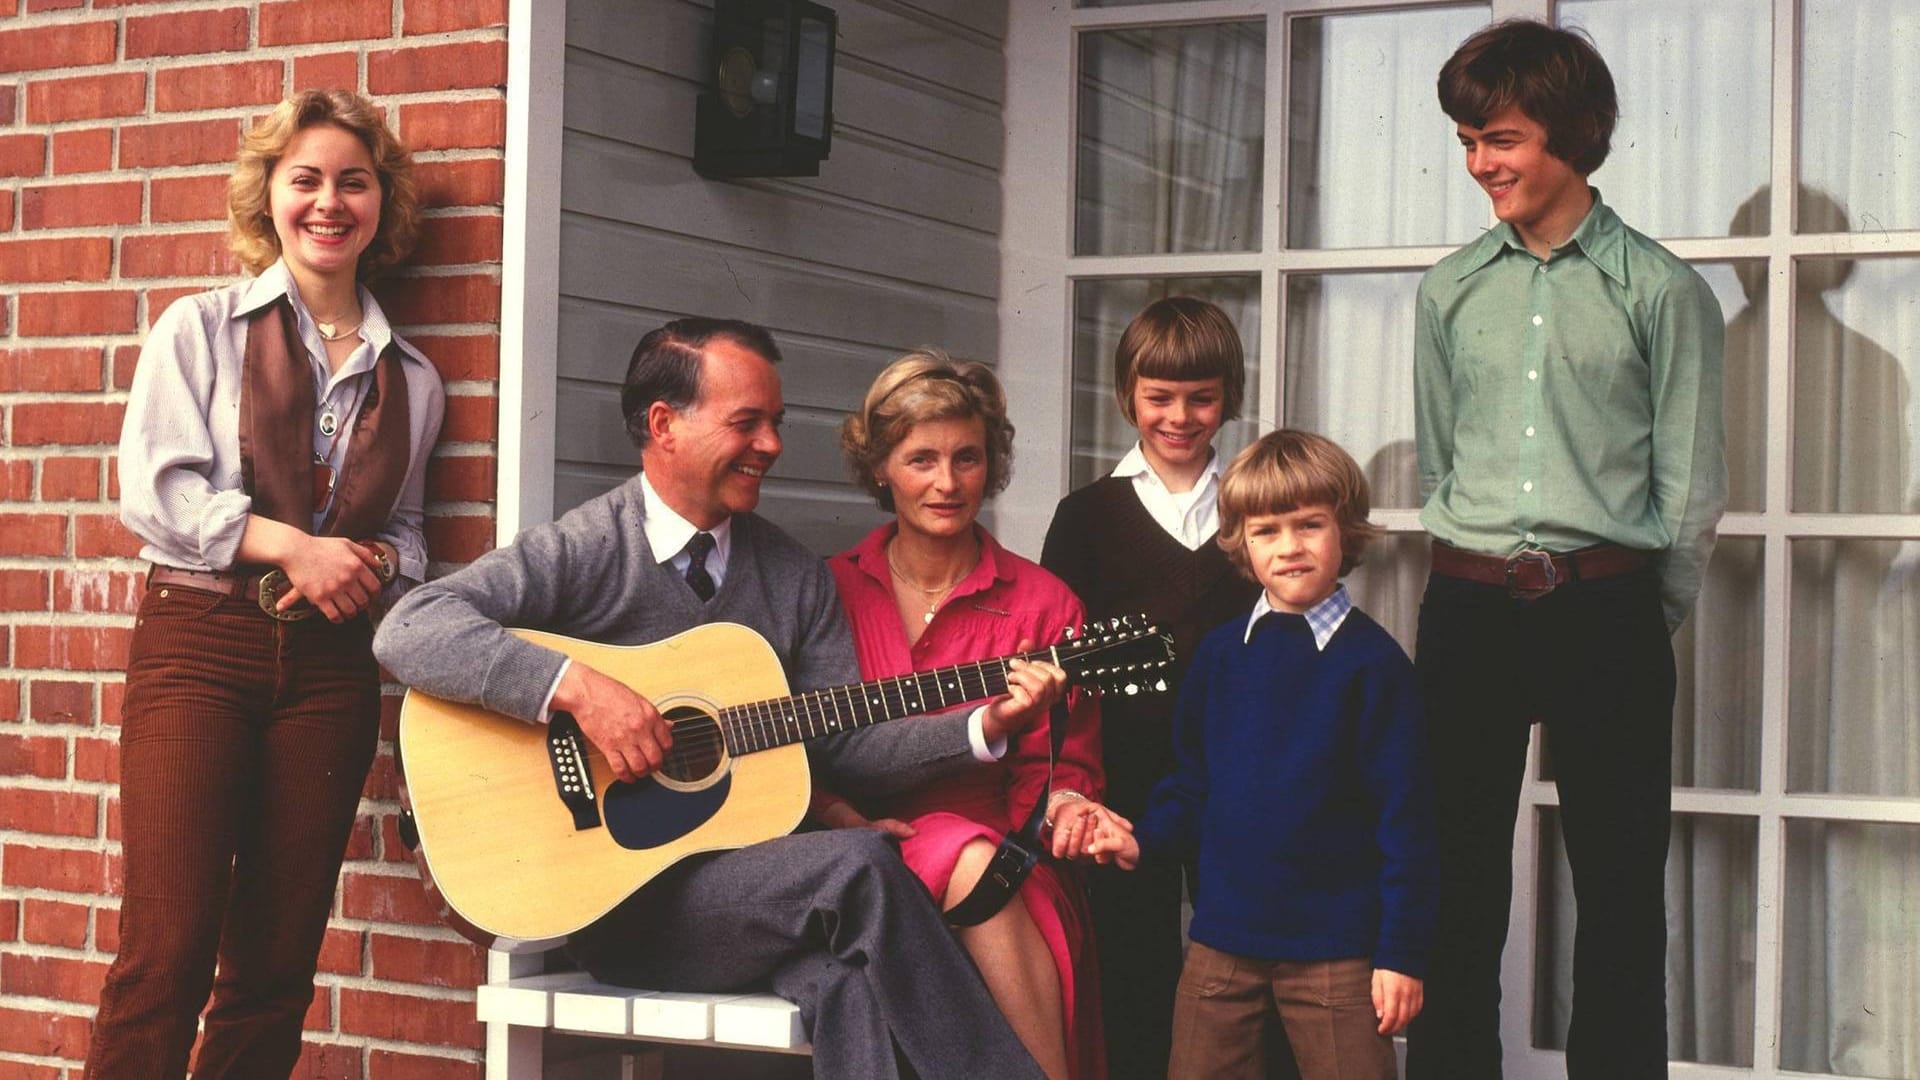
x,y
1326,1006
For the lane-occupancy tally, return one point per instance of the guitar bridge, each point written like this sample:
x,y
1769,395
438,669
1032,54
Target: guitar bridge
x,y
572,775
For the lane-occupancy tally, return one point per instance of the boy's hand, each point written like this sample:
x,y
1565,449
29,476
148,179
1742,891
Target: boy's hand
x,y
1397,1000
1113,841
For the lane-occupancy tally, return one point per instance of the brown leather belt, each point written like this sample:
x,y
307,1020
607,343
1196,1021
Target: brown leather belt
x,y
1533,573
264,588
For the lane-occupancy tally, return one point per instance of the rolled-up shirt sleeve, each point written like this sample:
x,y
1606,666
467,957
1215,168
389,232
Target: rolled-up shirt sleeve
x,y
167,496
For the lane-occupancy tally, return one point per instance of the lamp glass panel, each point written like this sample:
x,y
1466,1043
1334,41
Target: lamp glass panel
x,y
812,77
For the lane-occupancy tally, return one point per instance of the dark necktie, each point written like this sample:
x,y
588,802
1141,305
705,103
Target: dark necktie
x,y
698,579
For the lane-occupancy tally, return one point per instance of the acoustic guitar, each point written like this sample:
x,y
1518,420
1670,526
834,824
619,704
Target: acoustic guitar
x,y
526,835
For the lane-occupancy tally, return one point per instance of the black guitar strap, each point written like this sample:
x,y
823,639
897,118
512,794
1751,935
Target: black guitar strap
x,y
1019,850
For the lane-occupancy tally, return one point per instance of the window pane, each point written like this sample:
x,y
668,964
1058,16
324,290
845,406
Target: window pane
x,y
1741,288
1859,111
1853,690
1389,582
1372,161
1350,372
1857,352
1694,86
1711,911
1850,978
1101,310
1716,712
1170,139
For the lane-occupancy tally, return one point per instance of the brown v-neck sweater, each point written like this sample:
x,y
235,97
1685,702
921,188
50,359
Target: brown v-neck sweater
x,y
1119,561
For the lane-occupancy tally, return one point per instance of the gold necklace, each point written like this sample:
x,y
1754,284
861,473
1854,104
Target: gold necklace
x,y
933,595
329,331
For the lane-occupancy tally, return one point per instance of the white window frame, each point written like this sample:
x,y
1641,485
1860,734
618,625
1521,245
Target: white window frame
x,y
1038,270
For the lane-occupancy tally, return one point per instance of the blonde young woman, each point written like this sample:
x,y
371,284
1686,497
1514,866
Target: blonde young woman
x,y
273,461
932,588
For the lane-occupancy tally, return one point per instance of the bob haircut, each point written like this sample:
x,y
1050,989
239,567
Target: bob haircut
x,y
1555,76
1181,339
249,217
923,385
1285,471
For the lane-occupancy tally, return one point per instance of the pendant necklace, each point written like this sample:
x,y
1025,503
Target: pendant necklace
x,y
934,595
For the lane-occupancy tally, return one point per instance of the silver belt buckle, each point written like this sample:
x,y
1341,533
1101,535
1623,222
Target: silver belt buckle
x,y
1522,558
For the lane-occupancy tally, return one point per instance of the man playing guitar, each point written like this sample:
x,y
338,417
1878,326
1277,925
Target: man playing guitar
x,y
831,920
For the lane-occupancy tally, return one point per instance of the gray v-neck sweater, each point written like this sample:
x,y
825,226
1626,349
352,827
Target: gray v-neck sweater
x,y
592,575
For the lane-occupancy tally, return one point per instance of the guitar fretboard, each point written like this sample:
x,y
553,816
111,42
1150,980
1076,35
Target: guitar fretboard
x,y
763,725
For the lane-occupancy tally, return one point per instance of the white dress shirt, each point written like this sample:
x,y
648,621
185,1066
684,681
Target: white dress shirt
x,y
181,490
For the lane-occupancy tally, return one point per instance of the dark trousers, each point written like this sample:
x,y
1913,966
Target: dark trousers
x,y
834,922
1592,662
242,755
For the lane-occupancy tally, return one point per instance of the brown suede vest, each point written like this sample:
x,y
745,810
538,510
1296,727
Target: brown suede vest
x,y
276,434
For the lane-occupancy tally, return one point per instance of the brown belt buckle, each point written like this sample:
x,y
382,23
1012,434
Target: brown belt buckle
x,y
1532,556
274,585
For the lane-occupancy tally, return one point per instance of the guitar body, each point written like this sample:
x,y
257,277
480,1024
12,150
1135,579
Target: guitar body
x,y
505,852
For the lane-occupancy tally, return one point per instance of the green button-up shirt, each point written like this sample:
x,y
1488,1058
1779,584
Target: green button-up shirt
x,y
1572,402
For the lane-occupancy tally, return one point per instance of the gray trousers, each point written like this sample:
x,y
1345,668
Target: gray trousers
x,y
834,922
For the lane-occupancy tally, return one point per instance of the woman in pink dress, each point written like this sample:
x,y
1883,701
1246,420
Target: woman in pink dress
x,y
931,589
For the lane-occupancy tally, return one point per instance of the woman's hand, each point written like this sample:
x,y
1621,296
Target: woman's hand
x,y
842,815
334,574
1112,840
1032,688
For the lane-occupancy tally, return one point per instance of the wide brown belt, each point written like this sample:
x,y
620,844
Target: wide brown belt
x,y
263,587
1533,573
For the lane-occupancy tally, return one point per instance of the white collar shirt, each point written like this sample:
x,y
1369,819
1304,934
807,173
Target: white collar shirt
x,y
1191,517
668,533
1323,618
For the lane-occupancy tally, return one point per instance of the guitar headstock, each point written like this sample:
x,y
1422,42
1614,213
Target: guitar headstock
x,y
1126,655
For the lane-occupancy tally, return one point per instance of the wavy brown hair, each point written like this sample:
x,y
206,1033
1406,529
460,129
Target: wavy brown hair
x,y
926,384
1288,470
249,217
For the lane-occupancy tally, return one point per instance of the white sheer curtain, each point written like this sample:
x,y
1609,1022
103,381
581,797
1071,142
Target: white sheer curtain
x,y
1166,165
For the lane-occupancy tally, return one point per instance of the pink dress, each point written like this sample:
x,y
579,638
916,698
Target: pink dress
x,y
1004,600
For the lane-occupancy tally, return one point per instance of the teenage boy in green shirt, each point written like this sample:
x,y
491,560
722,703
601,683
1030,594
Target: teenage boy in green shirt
x,y
1567,395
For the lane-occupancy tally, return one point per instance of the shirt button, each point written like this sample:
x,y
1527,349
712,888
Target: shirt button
x,y
1528,486
1543,268
1530,538
1537,320
1531,375
1529,431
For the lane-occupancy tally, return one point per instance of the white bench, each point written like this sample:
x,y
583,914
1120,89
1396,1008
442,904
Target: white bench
x,y
519,1005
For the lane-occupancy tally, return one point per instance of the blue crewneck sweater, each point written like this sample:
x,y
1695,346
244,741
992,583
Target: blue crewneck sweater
x,y
1300,785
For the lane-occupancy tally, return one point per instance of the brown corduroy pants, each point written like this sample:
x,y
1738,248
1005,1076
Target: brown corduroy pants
x,y
1224,1001
242,753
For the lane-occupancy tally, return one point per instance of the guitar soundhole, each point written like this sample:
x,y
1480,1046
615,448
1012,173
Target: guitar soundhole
x,y
698,751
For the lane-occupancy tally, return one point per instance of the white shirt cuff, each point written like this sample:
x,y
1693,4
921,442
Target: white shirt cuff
x,y
546,707
983,751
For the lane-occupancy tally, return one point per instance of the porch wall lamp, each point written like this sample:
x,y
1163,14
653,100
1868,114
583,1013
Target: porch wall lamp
x,y
768,108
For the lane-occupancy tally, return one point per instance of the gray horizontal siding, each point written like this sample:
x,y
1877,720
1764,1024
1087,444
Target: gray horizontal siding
x,y
895,244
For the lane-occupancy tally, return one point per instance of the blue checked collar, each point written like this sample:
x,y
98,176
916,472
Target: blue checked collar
x,y
1323,618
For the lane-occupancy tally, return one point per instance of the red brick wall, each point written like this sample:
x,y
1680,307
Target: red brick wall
x,y
118,122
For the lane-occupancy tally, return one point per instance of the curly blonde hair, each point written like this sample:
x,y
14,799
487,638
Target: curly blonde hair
x,y
1288,470
250,218
923,385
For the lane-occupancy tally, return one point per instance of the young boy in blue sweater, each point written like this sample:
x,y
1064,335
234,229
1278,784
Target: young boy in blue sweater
x,y
1299,785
